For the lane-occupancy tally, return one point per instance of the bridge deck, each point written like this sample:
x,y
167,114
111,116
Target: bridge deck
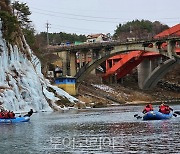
x,y
108,44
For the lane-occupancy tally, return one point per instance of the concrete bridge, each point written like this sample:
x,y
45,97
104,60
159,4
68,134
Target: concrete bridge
x,y
101,51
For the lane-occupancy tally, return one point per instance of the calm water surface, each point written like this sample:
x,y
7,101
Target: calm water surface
x,y
109,130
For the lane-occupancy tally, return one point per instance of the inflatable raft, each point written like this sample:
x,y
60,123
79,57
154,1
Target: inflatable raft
x,y
15,120
156,115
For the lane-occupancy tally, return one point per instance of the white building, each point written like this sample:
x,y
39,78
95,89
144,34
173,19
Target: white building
x,y
97,38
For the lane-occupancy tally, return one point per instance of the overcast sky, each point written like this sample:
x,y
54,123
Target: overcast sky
x,y
99,16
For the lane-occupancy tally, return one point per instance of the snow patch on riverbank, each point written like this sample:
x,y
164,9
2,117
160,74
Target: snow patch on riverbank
x,y
104,88
111,90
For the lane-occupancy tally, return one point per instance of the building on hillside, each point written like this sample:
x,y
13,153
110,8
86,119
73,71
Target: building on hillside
x,y
98,38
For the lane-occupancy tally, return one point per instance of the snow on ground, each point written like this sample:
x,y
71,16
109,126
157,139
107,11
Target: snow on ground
x,y
64,94
104,88
22,85
111,90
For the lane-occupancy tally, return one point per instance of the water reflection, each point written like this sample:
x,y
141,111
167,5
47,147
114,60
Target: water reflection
x,y
110,130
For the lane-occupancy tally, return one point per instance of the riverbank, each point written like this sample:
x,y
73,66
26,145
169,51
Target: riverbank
x,y
96,94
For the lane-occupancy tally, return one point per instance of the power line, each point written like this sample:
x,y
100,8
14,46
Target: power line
x,y
76,18
90,20
77,15
79,31
86,10
109,22
71,14
109,18
54,25
75,29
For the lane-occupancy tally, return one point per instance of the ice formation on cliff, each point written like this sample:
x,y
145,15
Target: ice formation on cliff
x,y
22,85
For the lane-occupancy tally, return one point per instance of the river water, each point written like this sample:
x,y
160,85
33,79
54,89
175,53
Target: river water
x,y
105,130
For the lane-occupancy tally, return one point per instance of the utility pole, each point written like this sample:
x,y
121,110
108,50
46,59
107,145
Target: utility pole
x,y
47,27
130,31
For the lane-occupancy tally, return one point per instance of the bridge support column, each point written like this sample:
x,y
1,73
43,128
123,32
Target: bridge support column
x,y
73,68
86,57
171,48
95,54
144,69
112,79
153,64
64,62
80,60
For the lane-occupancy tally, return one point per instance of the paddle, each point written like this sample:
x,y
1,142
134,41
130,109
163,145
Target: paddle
x,y
175,115
29,113
177,112
137,116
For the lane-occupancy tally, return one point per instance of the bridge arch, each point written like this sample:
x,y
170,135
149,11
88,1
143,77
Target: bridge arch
x,y
149,83
153,78
86,69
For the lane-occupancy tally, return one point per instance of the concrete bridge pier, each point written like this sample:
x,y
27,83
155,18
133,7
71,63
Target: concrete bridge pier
x,y
73,66
153,63
144,69
86,58
95,55
80,59
171,48
112,79
64,62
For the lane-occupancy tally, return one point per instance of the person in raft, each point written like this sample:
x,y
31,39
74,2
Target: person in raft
x,y
163,108
4,114
147,108
29,113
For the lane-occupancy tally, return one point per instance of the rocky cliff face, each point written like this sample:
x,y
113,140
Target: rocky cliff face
x,y
22,85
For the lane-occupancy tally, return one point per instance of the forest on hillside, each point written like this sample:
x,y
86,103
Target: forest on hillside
x,y
59,38
139,29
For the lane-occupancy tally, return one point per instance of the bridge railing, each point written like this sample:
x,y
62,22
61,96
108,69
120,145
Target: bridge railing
x,y
111,43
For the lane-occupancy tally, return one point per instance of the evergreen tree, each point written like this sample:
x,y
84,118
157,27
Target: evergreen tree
x,y
58,38
22,12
